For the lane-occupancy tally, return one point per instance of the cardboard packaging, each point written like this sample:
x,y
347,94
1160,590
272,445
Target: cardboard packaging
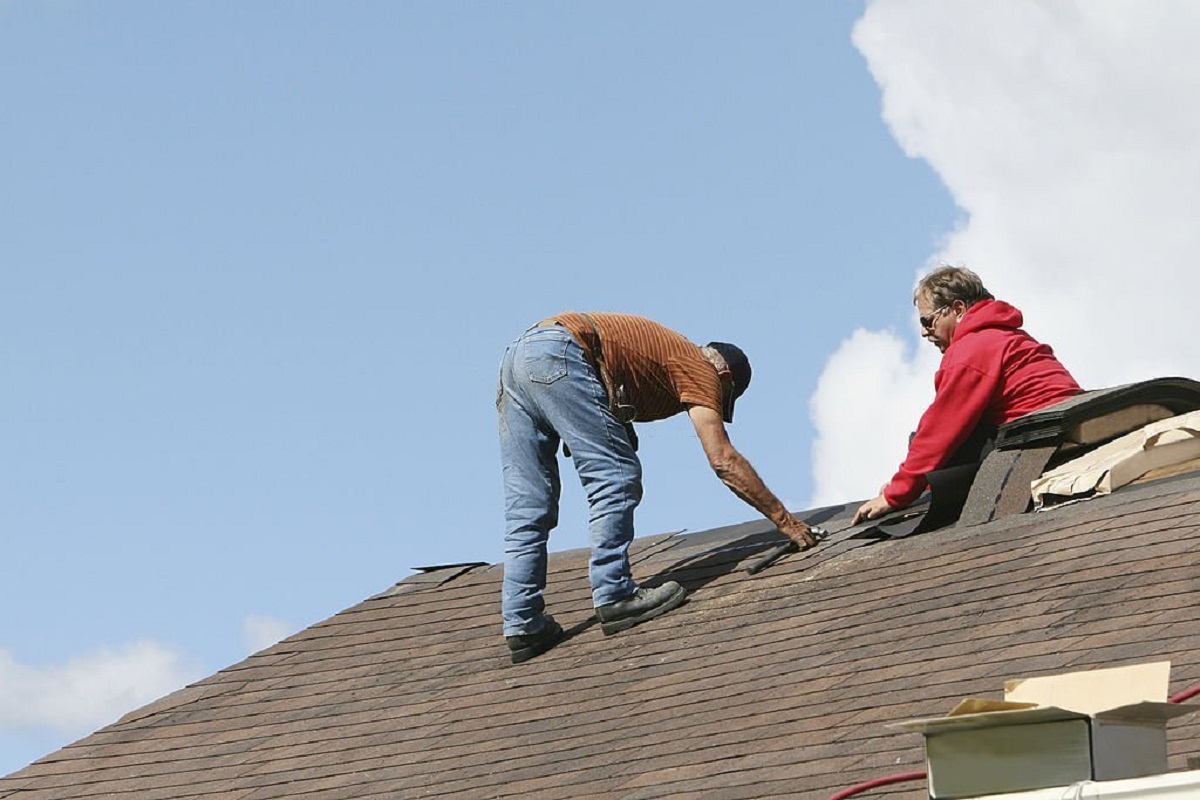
x,y
1100,725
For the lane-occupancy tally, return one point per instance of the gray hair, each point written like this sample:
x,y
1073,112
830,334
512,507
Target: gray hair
x,y
946,284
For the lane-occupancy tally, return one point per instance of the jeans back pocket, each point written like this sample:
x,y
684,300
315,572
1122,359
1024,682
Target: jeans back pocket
x,y
546,357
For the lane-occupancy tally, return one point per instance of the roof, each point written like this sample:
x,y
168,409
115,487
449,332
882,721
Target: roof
x,y
774,684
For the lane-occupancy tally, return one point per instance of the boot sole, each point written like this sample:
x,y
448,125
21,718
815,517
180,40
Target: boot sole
x,y
625,623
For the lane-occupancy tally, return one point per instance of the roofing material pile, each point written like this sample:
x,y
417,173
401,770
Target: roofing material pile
x,y
1168,442
1091,417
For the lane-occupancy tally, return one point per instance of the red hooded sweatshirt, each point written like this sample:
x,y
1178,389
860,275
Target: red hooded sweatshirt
x,y
992,372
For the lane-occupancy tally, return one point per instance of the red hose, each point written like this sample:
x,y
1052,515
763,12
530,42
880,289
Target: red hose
x,y
902,777
1184,695
875,783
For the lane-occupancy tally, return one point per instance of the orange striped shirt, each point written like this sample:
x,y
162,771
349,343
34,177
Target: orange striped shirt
x,y
661,370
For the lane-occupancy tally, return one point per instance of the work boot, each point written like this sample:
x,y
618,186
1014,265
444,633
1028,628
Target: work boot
x,y
527,645
640,606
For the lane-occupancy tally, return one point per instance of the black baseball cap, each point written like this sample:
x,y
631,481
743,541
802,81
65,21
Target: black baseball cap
x,y
739,367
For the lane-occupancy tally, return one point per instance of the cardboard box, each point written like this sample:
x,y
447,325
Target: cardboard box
x,y
1105,724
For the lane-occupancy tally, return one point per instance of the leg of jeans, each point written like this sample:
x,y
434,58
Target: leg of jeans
x,y
531,491
576,406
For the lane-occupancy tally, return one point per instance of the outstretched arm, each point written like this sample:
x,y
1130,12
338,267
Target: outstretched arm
x,y
962,393
736,473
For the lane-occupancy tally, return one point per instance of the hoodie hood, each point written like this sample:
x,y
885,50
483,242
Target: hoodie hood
x,y
989,314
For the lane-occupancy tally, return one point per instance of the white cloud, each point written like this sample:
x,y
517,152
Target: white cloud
x,y
1069,134
260,632
89,691
96,688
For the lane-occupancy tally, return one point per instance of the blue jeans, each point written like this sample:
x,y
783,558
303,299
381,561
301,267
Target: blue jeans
x,y
550,392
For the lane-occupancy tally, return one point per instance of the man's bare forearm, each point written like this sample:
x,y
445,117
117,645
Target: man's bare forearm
x,y
737,473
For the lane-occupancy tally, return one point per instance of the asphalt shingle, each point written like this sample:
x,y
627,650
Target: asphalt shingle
x,y
779,684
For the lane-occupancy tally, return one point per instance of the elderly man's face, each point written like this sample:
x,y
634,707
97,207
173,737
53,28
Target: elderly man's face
x,y
938,322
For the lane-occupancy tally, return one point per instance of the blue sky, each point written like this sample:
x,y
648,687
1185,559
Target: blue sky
x,y
260,262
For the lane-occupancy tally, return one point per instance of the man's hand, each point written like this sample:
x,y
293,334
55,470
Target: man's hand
x,y
799,532
873,508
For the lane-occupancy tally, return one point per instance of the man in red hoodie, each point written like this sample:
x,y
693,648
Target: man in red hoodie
x,y
991,372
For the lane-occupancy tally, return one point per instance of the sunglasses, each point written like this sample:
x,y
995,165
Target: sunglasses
x,y
928,320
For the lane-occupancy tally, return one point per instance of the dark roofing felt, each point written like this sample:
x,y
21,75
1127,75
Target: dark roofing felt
x,y
778,684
